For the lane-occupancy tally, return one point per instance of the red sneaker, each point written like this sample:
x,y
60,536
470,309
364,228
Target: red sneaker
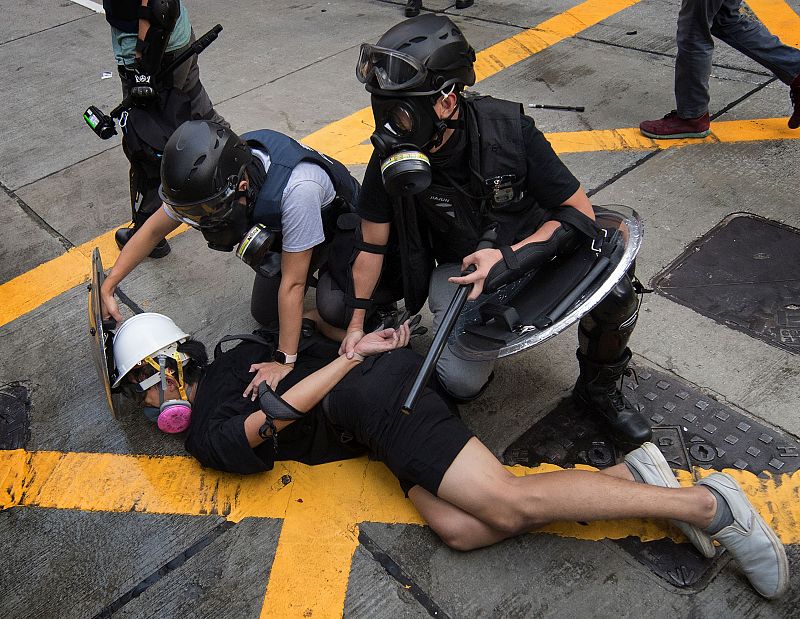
x,y
673,126
794,94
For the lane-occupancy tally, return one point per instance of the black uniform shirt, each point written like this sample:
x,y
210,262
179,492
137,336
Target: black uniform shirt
x,y
549,181
216,435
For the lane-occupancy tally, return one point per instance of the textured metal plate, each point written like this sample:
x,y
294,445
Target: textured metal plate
x,y
689,427
743,274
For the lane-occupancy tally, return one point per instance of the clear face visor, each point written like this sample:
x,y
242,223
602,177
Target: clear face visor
x,y
392,70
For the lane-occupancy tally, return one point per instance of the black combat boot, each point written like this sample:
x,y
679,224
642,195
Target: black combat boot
x,y
413,7
123,235
599,390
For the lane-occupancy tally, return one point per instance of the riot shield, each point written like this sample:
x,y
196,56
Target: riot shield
x,y
99,332
544,303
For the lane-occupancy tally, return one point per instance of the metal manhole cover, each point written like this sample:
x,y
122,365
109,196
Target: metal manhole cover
x,y
690,428
743,274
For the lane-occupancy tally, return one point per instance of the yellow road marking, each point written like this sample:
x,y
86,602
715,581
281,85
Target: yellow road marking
x,y
321,507
779,18
343,139
30,290
26,292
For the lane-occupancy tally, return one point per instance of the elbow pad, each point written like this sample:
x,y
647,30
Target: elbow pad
x,y
274,406
162,16
515,264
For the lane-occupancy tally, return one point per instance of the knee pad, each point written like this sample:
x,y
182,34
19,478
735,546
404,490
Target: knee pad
x,y
162,16
603,334
331,302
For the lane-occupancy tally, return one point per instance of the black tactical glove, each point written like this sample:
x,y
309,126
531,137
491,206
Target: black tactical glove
x,y
143,90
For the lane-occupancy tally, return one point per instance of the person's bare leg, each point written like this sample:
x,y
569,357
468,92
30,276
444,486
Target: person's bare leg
x,y
620,471
463,531
457,528
478,484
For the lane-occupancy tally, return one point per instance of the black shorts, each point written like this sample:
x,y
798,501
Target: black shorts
x,y
418,448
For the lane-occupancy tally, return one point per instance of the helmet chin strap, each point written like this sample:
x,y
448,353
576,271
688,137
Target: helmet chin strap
x,y
164,372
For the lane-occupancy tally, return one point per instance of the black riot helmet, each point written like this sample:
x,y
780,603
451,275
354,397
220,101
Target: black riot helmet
x,y
419,56
202,166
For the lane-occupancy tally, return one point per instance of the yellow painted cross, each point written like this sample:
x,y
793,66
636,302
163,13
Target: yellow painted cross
x,y
345,139
321,507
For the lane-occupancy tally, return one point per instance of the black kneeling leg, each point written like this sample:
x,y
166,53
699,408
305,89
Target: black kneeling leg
x,y
603,357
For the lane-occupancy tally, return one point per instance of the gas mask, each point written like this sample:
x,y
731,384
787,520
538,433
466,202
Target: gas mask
x,y
226,223
224,230
405,128
172,416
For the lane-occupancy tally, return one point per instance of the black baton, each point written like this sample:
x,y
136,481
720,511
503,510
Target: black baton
x,y
195,48
445,328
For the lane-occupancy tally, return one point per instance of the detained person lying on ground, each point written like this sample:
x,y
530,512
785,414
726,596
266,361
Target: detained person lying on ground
x,y
351,406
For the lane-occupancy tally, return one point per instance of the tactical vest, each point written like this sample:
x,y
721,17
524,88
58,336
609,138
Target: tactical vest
x,y
454,221
123,14
285,153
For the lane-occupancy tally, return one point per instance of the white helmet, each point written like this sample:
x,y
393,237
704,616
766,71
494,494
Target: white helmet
x,y
144,335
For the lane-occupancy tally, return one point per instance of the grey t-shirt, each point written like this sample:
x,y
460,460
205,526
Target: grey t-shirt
x,y
308,190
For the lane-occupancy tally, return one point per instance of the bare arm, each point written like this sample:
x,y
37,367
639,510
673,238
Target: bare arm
x,y
154,230
366,272
306,394
303,396
367,267
291,292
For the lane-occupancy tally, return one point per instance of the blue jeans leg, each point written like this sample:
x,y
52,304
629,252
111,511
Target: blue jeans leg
x,y
757,43
698,21
695,50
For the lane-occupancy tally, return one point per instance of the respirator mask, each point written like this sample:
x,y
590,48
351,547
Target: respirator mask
x,y
406,124
225,223
404,129
172,416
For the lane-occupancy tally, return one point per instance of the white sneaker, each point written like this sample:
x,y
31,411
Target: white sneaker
x,y
750,540
649,462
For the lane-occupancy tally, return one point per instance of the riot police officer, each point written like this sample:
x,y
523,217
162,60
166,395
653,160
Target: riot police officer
x,y
446,167
269,197
147,36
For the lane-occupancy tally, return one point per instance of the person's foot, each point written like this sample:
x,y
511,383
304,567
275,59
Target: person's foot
x,y
749,539
652,467
599,390
794,95
463,4
673,126
413,7
123,235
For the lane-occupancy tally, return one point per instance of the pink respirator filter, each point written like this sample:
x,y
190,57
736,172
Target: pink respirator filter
x,y
175,418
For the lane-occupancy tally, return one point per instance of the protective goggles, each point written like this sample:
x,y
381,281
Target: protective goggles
x,y
392,70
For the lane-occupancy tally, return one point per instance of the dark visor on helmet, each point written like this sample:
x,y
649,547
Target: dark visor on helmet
x,y
392,70
200,213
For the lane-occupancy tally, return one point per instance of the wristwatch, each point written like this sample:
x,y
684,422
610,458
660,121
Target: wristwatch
x,y
284,359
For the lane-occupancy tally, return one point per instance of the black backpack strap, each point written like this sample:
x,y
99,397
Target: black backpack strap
x,y
244,337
